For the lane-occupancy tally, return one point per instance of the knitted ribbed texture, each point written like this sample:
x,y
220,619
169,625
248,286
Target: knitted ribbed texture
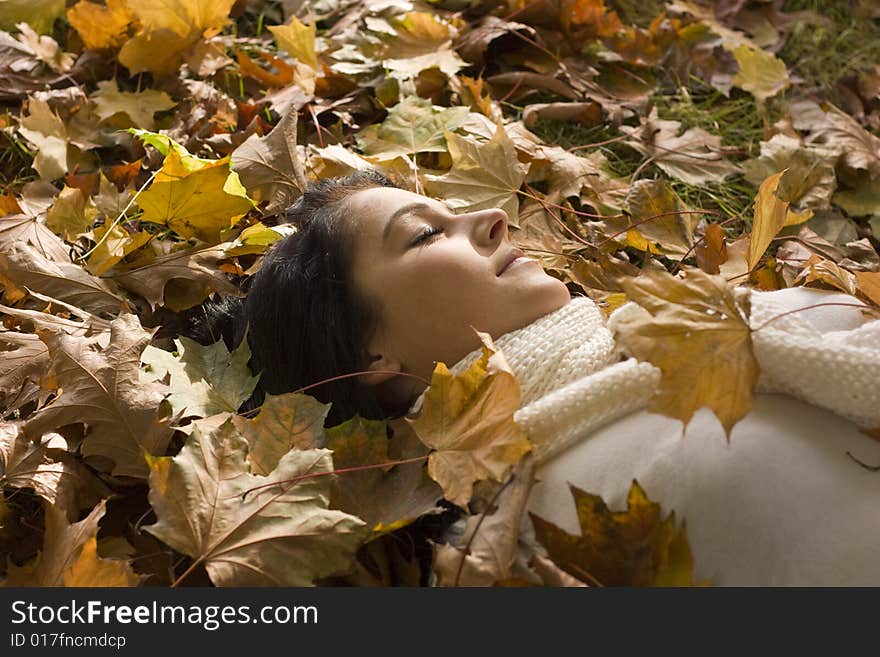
x,y
838,370
572,380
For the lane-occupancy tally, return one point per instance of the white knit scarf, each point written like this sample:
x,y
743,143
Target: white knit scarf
x,y
572,379
570,375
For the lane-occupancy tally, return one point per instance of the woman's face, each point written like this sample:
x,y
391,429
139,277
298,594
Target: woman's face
x,y
434,288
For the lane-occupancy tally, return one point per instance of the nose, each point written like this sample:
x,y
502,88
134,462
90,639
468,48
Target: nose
x,y
490,226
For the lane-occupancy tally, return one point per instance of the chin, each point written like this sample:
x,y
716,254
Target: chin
x,y
547,295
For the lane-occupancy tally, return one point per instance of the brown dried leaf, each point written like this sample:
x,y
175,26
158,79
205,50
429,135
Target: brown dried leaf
x,y
693,156
24,362
101,388
198,266
287,421
468,421
661,217
493,537
69,556
486,175
249,530
836,130
771,214
869,285
699,337
270,168
26,267
385,498
817,268
712,253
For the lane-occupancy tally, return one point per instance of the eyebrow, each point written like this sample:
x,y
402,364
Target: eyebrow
x,y
400,212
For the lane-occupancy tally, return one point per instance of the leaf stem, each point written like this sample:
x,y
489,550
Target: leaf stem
x,y
467,546
119,218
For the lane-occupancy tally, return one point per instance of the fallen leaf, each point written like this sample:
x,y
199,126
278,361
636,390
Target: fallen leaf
x,y
23,265
412,126
204,380
69,556
418,40
566,174
284,422
113,247
101,27
100,387
140,107
25,464
712,253
817,268
385,498
861,201
168,30
257,238
298,40
45,49
72,214
468,421
635,547
809,179
48,134
198,203
24,229
694,156
491,538
760,73
198,266
483,175
836,130
698,335
771,214
249,530
659,216
869,285
90,325
39,14
270,167
25,360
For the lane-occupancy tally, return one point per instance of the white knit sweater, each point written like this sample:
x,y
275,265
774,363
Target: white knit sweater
x,y
747,502
574,377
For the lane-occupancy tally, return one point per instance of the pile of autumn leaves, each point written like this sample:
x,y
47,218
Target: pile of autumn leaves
x,y
148,198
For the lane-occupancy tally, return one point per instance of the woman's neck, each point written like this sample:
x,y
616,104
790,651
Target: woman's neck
x,y
553,350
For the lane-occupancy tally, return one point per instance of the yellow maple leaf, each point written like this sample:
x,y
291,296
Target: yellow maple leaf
x,y
699,337
297,39
113,248
169,29
468,421
197,203
101,27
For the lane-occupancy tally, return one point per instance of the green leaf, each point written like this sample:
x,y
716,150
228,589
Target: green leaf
x,y
204,380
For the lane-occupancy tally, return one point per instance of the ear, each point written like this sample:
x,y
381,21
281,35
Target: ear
x,y
384,369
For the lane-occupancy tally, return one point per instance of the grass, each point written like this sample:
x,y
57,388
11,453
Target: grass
x,y
822,54
736,119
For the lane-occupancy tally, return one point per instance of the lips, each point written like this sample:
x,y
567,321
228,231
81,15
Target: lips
x,y
516,253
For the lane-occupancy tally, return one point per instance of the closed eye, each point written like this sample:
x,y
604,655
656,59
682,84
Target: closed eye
x,y
426,235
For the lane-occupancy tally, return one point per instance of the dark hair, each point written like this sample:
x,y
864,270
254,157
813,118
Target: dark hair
x,y
306,320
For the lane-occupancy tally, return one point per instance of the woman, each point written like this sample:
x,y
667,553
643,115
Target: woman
x,y
383,281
